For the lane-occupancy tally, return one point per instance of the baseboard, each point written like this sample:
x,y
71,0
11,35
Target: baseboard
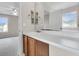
x,y
21,54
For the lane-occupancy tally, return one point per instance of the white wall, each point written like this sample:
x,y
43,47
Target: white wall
x,y
39,8
26,16
20,26
46,19
55,20
26,8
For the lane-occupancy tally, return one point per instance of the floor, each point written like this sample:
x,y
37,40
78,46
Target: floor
x,y
7,46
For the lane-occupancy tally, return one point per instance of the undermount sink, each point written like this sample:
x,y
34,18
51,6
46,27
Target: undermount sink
x,y
49,30
38,31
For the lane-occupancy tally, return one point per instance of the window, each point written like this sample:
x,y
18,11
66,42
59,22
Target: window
x,y
69,20
3,24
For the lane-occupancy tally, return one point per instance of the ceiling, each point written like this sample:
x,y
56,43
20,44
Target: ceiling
x,y
53,6
9,4
8,7
48,6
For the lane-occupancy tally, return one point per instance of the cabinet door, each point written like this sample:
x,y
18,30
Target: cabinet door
x,y
31,47
37,48
42,49
25,44
40,10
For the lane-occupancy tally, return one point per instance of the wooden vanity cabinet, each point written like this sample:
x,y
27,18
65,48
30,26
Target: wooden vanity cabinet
x,y
36,48
31,46
42,49
25,44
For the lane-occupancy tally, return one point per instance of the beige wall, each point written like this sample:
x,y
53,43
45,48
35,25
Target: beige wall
x,y
12,27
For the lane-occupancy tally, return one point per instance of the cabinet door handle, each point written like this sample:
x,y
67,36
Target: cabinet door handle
x,y
32,17
36,17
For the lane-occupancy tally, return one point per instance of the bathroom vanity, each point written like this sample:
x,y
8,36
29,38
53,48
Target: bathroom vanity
x,y
34,47
51,43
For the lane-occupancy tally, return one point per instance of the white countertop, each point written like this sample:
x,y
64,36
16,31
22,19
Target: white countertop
x,y
66,40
